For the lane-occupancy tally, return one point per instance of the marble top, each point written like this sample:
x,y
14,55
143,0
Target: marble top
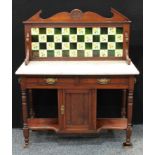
x,y
77,68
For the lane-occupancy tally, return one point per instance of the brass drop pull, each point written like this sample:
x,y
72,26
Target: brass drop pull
x,y
103,81
51,81
62,109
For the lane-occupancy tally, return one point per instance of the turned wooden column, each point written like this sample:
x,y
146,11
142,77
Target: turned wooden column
x,y
123,110
32,114
25,116
129,116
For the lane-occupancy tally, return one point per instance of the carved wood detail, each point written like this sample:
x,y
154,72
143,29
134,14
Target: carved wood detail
x,y
27,48
77,15
126,50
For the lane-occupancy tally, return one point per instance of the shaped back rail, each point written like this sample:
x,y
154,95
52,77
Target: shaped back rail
x,y
77,36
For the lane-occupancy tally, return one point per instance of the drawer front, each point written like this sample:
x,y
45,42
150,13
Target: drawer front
x,y
79,82
105,81
48,82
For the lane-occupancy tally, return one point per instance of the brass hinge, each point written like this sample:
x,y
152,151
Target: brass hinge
x,y
19,80
135,80
62,109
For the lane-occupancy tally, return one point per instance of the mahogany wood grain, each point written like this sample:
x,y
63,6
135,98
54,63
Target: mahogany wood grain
x,y
25,116
77,95
111,123
123,110
32,114
76,18
43,124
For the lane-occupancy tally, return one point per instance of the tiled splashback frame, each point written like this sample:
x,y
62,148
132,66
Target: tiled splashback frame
x,y
90,20
77,42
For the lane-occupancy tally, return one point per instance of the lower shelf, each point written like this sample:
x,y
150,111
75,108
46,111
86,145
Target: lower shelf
x,y
43,124
101,124
111,123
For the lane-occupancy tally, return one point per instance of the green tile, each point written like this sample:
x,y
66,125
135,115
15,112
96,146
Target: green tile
x,y
88,45
35,38
111,53
42,30
50,53
88,30
80,53
65,38
96,53
58,45
80,38
96,38
50,38
104,30
103,45
35,54
42,45
73,30
65,53
57,30
111,38
73,45
119,30
119,45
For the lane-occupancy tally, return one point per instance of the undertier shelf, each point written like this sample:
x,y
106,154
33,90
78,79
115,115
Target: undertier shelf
x,y
43,124
101,124
111,123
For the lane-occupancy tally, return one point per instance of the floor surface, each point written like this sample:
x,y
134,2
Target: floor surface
x,y
106,143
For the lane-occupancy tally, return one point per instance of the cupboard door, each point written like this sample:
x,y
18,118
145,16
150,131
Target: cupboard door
x,y
78,110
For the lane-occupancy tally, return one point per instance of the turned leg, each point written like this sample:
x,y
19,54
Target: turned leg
x,y
32,114
25,116
129,116
123,110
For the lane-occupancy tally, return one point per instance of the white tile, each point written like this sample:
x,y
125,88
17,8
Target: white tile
x,y
111,46
80,31
42,38
112,30
65,46
96,30
65,31
88,53
34,31
103,53
73,53
118,53
73,38
35,46
58,38
88,38
50,31
58,53
50,46
42,53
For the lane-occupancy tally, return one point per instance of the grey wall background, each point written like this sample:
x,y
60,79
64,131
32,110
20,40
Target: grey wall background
x,y
24,9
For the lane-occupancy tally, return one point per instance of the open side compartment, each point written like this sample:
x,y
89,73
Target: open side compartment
x,y
43,110
109,110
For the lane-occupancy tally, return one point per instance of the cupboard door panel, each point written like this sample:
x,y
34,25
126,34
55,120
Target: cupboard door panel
x,y
78,110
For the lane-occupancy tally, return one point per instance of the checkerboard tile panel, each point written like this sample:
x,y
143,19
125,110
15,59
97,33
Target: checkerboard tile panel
x,y
77,42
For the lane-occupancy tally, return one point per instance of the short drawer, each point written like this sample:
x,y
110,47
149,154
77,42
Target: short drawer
x,y
49,81
104,81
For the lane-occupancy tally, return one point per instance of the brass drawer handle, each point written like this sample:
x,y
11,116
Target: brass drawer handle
x,y
103,81
51,81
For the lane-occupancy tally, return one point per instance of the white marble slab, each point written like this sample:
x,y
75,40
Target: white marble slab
x,y
77,68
